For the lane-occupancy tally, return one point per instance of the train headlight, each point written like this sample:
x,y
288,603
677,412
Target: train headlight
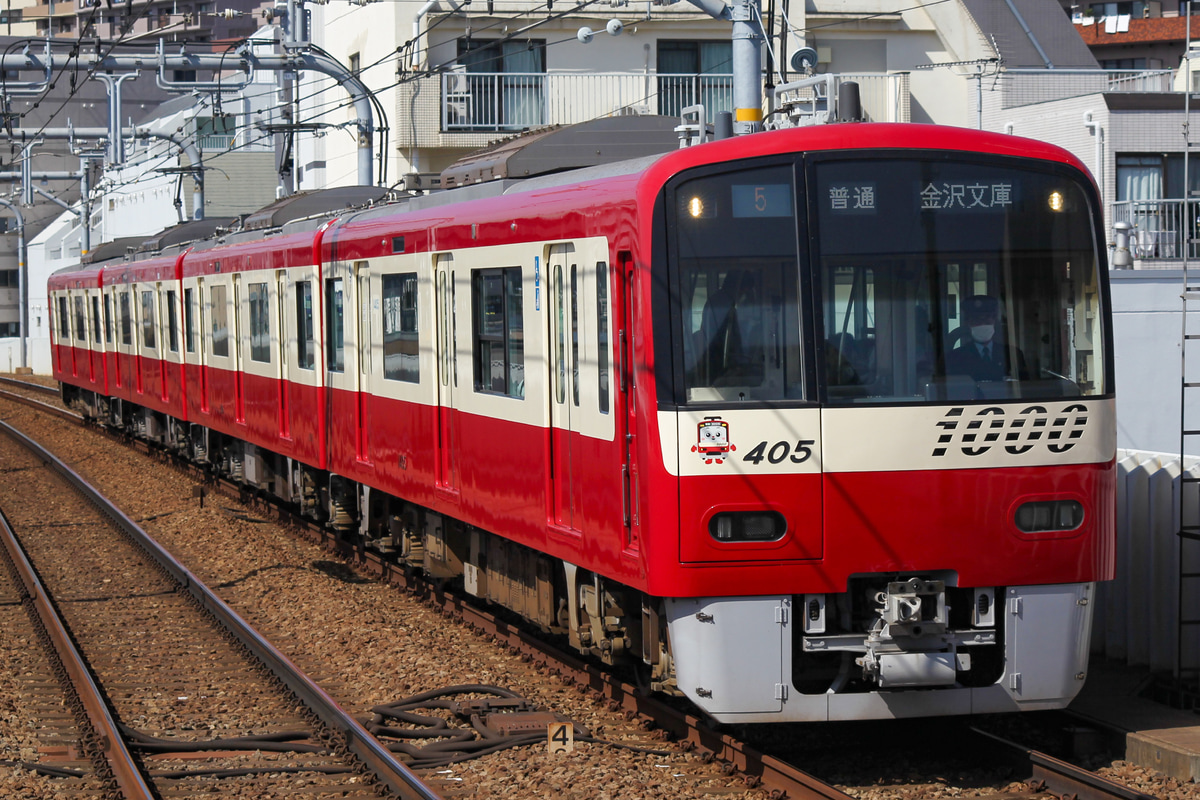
x,y
1056,201
695,207
747,526
1050,515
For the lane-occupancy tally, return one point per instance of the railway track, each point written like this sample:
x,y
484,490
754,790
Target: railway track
x,y
177,674
758,769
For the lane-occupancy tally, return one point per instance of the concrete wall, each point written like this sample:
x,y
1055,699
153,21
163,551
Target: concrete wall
x,y
1146,332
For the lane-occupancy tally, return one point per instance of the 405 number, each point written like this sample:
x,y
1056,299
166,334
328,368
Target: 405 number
x,y
778,452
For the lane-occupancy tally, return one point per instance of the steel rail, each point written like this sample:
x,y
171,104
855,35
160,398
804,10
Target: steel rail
x,y
1063,779
377,758
108,738
61,413
37,387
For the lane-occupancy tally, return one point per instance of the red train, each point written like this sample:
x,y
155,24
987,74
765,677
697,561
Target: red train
x,y
809,424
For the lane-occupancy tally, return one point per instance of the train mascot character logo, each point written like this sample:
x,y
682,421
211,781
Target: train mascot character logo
x,y
712,440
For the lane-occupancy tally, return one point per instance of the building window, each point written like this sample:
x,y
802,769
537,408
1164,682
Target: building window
x,y
498,331
10,328
220,322
691,72
401,341
216,133
504,81
9,278
305,346
148,319
260,323
355,63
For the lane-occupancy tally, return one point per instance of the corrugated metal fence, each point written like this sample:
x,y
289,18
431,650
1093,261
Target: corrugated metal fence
x,y
1136,620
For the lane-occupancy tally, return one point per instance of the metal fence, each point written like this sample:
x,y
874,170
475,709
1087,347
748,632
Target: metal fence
x,y
1136,620
1022,87
1158,228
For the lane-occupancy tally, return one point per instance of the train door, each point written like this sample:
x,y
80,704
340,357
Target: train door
x,y
447,378
626,406
363,343
283,354
564,382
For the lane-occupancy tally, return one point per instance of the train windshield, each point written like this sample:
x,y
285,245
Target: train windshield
x,y
738,278
954,280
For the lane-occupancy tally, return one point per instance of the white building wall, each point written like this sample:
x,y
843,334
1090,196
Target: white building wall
x,y
1146,332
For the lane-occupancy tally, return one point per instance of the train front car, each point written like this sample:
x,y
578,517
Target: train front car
x,y
884,393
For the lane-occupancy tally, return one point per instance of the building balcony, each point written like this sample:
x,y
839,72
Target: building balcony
x,y
49,10
1024,87
1158,231
468,109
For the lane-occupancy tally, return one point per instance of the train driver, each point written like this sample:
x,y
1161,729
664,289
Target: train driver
x,y
982,353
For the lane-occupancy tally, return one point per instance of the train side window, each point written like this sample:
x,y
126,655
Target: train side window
x,y
108,323
96,319
64,321
335,333
220,322
260,323
498,331
189,321
172,322
148,319
80,324
126,320
602,332
401,340
305,346
560,347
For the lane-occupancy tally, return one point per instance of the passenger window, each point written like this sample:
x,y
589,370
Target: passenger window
x,y
189,322
172,322
335,334
148,339
401,340
80,321
108,323
260,323
64,322
305,346
220,322
96,319
498,331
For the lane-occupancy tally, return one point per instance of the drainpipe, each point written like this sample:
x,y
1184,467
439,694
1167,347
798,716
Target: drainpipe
x,y
418,19
1097,130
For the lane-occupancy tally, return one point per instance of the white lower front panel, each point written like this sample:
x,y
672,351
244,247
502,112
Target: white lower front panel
x,y
733,659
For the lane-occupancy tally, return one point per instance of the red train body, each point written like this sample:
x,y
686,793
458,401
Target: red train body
x,y
707,412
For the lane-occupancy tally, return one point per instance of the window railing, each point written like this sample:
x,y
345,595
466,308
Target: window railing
x,y
1158,228
216,141
482,102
